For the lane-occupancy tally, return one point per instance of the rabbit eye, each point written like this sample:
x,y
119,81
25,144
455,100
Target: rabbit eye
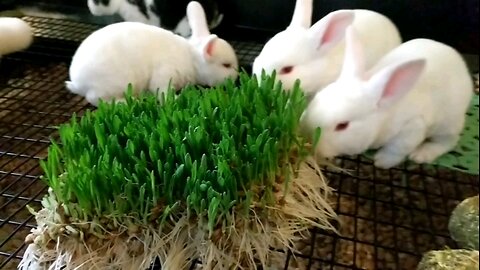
x,y
286,70
227,65
342,126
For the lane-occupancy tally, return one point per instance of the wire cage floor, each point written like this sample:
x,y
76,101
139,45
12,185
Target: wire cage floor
x,y
389,218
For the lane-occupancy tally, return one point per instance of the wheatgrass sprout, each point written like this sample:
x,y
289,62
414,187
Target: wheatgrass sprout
x,y
216,174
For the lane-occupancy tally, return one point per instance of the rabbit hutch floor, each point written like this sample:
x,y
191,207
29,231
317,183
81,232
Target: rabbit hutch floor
x,y
389,218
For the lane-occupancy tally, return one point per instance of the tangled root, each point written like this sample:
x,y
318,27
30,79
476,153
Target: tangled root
x,y
58,243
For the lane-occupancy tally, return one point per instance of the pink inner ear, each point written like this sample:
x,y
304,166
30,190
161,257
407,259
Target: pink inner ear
x,y
335,30
329,34
393,84
209,49
403,79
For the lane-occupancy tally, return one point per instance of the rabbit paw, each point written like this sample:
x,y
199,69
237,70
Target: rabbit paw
x,y
386,160
426,153
430,150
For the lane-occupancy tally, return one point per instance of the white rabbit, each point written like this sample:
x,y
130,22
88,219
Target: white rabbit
x,y
315,54
15,35
149,58
411,104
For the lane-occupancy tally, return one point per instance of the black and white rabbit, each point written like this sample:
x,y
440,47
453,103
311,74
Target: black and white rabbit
x,y
163,13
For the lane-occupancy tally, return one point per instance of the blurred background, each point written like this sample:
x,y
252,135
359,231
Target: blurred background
x,y
454,22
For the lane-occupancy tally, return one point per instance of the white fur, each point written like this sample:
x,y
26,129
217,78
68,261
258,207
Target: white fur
x,y
15,35
412,103
318,63
148,57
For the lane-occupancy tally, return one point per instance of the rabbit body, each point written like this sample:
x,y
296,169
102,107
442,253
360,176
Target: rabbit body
x,y
412,103
314,55
130,52
15,35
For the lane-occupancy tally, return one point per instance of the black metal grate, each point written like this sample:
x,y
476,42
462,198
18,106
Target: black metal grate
x,y
389,217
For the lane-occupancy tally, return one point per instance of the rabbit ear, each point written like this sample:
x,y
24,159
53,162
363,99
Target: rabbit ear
x,y
208,47
393,82
197,20
330,30
353,61
302,14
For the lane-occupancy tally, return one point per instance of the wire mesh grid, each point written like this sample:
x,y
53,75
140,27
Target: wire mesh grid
x,y
388,218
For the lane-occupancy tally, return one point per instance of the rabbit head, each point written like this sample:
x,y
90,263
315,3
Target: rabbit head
x,y
215,58
301,51
104,7
352,110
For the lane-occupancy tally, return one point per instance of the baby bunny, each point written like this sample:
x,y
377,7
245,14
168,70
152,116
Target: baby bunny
x,y
412,103
150,58
314,54
15,35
